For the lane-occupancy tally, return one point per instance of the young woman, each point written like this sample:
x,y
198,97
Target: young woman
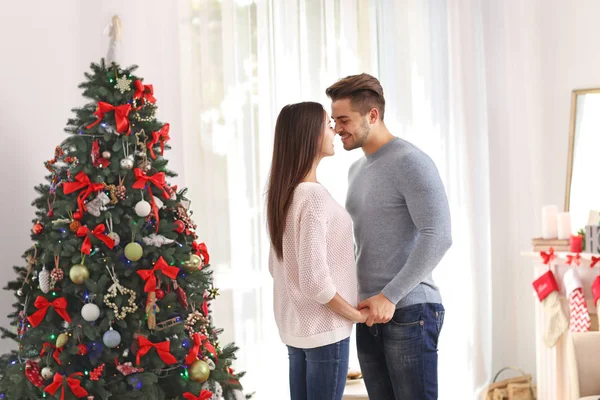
x,y
311,258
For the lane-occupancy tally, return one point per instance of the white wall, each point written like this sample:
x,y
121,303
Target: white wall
x,y
537,53
45,47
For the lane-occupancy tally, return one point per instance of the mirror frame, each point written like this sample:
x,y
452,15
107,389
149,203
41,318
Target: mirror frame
x,y
574,95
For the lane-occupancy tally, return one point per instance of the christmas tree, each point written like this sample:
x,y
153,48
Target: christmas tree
x,y
113,300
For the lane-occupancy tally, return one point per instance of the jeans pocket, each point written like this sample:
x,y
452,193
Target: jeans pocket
x,y
440,320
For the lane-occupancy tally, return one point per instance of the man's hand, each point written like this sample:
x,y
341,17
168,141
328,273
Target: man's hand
x,y
382,309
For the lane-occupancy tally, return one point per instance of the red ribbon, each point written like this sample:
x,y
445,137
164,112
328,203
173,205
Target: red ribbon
x,y
548,257
148,274
47,347
144,92
199,340
74,385
205,308
157,180
121,116
82,181
574,259
86,246
202,251
60,306
594,261
159,137
163,349
204,395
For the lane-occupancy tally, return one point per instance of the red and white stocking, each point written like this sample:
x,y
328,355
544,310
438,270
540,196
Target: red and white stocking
x,y
556,322
580,317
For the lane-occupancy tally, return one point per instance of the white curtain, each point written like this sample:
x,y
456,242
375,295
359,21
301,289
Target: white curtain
x,y
245,60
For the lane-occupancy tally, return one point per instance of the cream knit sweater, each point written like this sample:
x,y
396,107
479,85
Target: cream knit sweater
x,y
318,261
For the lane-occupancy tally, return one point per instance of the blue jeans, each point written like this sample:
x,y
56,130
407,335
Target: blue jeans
x,y
398,360
319,373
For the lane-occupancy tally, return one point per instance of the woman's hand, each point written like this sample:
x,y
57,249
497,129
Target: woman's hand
x,y
363,314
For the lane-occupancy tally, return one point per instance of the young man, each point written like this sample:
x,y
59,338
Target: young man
x,y
402,230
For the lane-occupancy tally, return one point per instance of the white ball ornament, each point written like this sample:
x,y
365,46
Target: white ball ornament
x,y
115,237
47,373
143,208
90,312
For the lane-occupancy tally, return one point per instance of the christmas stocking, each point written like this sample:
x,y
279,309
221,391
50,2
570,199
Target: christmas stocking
x,y
596,293
556,321
580,317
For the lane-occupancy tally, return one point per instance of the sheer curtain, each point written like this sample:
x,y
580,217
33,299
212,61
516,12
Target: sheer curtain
x,y
243,60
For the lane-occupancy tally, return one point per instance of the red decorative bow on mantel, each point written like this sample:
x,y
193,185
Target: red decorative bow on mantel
x,y
148,274
204,395
549,256
121,116
82,181
594,261
574,259
199,340
86,246
163,349
72,383
143,92
59,305
47,347
159,137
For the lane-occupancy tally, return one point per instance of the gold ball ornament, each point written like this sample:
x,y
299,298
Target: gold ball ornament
x,y
193,264
61,340
199,371
134,251
79,273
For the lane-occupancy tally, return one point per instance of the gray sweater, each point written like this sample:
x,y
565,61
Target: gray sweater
x,y
401,223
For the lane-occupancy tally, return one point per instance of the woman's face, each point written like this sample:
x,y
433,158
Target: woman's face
x,y
327,137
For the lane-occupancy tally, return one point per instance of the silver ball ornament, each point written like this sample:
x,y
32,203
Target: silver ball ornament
x,y
106,154
127,163
111,338
115,237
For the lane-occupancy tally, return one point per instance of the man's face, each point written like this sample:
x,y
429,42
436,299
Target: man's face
x,y
352,127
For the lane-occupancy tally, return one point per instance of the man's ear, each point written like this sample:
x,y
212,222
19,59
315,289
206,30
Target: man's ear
x,y
373,115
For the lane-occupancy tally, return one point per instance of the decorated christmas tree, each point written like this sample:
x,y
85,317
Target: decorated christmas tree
x,y
113,300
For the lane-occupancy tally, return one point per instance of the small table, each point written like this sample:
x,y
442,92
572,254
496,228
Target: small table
x,y
355,391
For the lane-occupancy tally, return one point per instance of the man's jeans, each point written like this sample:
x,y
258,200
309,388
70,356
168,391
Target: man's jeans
x,y
399,359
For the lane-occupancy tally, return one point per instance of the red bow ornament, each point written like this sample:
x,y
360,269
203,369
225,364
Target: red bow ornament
x,y
121,116
163,349
159,137
158,180
594,261
548,257
202,251
204,395
97,159
82,181
199,341
59,305
148,274
144,93
98,232
574,259
72,383
47,348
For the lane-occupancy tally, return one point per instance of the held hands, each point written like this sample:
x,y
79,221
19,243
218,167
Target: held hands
x,y
379,309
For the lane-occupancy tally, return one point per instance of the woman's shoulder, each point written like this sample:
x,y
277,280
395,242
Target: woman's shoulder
x,y
311,195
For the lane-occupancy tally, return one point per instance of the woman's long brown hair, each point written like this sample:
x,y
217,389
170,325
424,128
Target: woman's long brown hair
x,y
296,146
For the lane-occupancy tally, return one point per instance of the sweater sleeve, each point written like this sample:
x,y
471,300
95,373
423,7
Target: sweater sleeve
x,y
311,247
425,196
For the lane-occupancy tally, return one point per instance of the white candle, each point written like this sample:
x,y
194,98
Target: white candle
x,y
549,222
594,218
564,225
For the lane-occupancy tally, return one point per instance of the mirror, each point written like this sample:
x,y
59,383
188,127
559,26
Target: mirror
x,y
583,192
